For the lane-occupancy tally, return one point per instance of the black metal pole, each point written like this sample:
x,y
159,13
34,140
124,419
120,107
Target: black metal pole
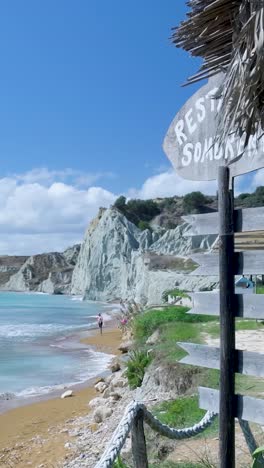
x,y
227,321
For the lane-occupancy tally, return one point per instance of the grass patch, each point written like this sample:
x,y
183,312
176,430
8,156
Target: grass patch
x,y
244,384
260,289
183,412
213,329
249,385
145,324
172,333
248,325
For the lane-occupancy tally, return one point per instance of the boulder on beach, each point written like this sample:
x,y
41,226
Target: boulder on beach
x,y
96,402
115,365
125,347
102,413
67,394
100,387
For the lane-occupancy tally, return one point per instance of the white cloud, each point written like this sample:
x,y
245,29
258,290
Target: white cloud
x,y
36,218
168,184
44,210
46,177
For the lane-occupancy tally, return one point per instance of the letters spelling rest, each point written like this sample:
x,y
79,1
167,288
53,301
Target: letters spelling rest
x,y
191,143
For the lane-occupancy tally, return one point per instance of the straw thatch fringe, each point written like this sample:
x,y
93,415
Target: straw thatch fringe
x,y
229,35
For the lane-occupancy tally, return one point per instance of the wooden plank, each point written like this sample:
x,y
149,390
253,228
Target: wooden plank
x,y
245,263
138,442
249,437
246,220
246,408
246,306
245,362
227,320
202,224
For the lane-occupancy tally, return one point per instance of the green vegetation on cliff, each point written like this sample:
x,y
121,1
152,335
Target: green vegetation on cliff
x,y
139,212
167,212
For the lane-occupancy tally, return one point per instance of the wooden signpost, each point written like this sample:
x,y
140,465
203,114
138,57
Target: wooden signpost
x,y
191,145
191,141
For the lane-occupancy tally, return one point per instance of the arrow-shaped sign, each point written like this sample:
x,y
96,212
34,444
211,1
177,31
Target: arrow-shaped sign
x,y
246,408
248,306
246,220
245,263
207,356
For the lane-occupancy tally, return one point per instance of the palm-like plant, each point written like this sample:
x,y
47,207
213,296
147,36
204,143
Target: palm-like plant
x,y
229,36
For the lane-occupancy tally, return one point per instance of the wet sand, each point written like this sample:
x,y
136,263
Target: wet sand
x,y
31,435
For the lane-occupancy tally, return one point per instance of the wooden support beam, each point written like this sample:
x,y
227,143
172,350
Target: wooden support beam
x,y
138,441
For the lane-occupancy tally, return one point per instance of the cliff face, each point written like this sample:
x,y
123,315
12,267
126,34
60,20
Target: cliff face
x,y
9,265
50,273
117,260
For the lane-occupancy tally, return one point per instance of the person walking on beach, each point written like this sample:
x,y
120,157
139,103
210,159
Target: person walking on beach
x,y
100,322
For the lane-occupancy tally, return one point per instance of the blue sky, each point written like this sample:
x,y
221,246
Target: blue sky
x,y
88,90
89,85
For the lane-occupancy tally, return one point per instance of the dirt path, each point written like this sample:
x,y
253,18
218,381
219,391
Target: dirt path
x,y
247,340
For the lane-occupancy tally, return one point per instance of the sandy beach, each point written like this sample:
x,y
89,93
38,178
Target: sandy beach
x,y
35,435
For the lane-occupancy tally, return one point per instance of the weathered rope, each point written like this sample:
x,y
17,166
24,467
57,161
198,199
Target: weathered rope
x,y
119,437
178,434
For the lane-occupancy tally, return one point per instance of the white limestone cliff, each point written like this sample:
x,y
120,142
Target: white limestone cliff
x,y
117,260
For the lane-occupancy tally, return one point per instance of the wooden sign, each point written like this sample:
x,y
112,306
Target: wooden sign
x,y
244,263
244,407
191,141
246,220
192,145
246,362
246,306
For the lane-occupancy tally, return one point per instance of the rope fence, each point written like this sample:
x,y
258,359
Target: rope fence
x,y
132,420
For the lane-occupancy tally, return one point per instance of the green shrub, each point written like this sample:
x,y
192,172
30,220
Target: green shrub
x,y
120,203
135,368
137,210
119,463
193,201
173,293
143,225
258,457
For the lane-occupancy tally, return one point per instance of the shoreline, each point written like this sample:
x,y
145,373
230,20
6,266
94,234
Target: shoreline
x,y
78,341
34,431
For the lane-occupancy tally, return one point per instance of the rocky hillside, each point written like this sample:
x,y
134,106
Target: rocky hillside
x,y
9,265
134,250
49,273
118,260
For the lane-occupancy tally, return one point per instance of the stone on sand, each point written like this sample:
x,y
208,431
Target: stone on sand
x,y
67,394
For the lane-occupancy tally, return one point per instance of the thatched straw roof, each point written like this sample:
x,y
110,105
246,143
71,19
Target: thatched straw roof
x,y
229,36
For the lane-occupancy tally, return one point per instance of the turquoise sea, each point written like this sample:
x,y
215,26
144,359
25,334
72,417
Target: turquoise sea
x,y
39,343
